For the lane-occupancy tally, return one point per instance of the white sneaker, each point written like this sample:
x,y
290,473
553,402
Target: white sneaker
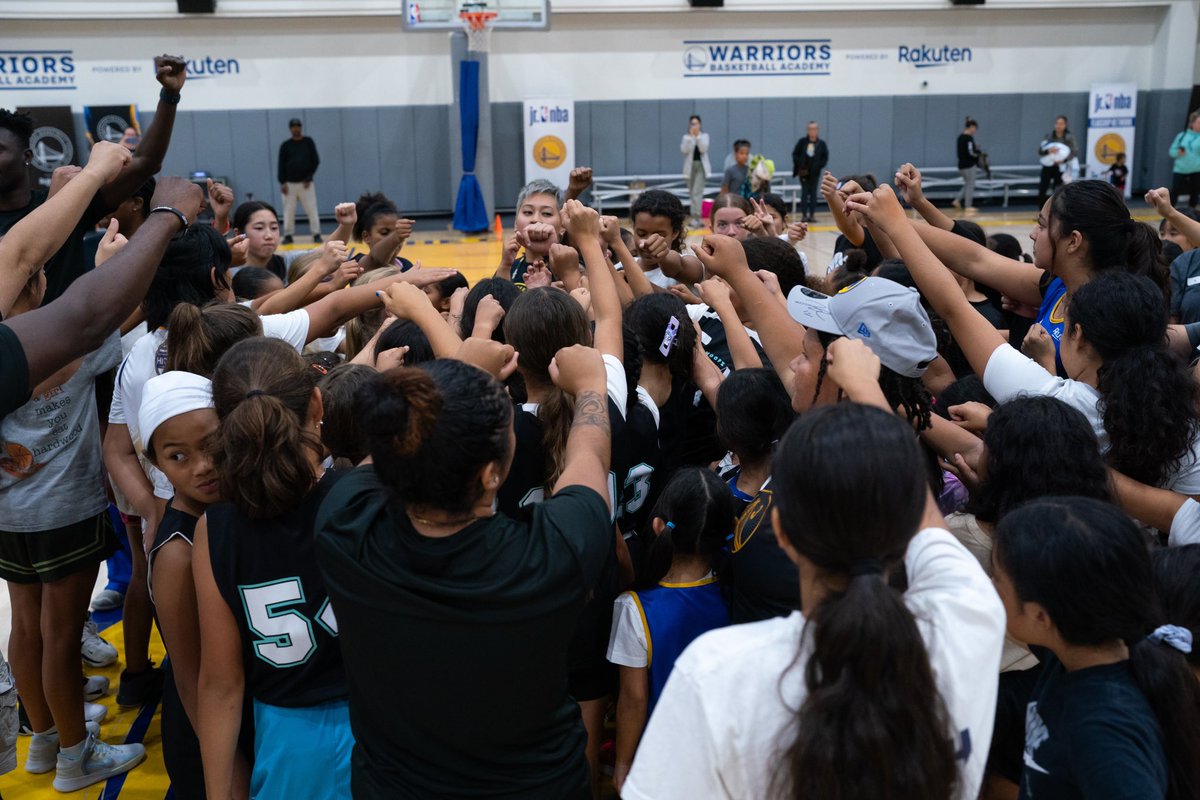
x,y
107,600
94,712
96,652
94,686
43,750
99,761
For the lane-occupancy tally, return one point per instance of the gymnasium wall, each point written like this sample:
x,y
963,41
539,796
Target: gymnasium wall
x,y
378,100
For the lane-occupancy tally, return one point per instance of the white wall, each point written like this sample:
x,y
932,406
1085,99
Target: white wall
x,y
370,61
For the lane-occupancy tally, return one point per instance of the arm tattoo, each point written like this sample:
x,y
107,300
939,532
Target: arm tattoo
x,y
591,408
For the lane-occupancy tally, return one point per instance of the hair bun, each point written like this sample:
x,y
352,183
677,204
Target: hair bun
x,y
402,405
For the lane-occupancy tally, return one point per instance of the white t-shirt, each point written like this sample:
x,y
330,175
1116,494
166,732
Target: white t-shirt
x,y
1185,528
149,358
628,645
1010,373
729,706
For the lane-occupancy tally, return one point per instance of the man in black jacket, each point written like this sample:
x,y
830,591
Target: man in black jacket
x,y
298,161
809,157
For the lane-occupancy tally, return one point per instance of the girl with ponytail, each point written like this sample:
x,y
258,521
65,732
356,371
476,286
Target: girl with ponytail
x,y
198,337
1084,229
1114,712
478,607
267,630
868,692
677,598
1140,399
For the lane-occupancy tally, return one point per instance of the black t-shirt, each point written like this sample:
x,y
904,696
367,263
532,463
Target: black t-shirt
x,y
639,487
266,569
842,244
968,156
759,580
716,341
687,430
1091,733
174,523
71,260
14,372
991,313
456,647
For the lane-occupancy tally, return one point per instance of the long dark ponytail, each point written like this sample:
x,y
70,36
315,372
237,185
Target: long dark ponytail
x,y
1148,397
262,390
645,332
1115,240
850,494
1087,565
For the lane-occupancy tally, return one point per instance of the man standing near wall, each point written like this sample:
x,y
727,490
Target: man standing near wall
x,y
809,157
298,162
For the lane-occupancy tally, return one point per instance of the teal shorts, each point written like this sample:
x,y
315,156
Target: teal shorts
x,y
301,752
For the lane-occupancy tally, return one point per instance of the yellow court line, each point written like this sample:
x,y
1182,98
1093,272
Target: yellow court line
x,y
148,781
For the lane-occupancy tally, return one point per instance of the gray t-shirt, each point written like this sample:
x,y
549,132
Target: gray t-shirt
x,y
1185,287
51,468
735,176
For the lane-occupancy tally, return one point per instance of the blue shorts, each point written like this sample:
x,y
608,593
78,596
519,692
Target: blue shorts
x,y
301,752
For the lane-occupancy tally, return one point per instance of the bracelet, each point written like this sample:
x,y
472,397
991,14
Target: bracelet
x,y
172,210
172,98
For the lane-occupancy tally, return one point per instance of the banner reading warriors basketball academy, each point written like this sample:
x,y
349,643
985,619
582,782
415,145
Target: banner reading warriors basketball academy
x,y
52,142
549,140
1112,111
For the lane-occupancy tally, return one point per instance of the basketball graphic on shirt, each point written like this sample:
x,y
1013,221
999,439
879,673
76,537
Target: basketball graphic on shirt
x,y
17,461
550,152
1108,146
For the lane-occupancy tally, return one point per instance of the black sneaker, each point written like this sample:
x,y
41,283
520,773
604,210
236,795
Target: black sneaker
x,y
316,238
287,240
138,689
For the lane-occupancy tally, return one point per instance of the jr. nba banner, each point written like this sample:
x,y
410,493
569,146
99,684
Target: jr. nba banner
x,y
53,141
108,123
1112,111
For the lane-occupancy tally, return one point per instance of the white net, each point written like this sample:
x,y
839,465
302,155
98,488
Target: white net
x,y
479,30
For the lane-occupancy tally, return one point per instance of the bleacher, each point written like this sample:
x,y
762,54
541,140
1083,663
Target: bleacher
x,y
613,192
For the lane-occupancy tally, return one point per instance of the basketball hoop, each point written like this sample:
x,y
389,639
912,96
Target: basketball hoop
x,y
478,25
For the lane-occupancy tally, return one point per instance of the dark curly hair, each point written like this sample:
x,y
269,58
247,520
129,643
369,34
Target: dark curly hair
x,y
369,207
658,203
1037,447
19,124
909,394
1148,397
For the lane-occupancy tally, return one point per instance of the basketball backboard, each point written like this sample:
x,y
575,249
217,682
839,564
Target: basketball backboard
x,y
442,15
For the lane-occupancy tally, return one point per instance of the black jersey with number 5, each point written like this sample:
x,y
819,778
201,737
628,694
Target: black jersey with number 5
x,y
267,572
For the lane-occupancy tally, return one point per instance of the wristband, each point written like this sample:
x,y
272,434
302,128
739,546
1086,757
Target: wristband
x,y
172,210
171,98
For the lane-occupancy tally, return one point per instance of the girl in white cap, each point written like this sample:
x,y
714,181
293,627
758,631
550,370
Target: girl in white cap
x,y
177,419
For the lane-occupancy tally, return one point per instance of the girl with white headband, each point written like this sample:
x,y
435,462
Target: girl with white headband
x,y
177,419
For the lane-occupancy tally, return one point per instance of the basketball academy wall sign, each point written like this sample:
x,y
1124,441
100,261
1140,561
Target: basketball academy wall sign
x,y
30,70
754,58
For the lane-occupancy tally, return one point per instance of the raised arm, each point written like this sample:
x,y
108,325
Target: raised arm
x,y
171,71
405,301
36,238
715,292
908,182
974,334
1160,201
98,302
583,223
837,206
579,371
334,309
294,295
638,282
579,181
1016,279
781,336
